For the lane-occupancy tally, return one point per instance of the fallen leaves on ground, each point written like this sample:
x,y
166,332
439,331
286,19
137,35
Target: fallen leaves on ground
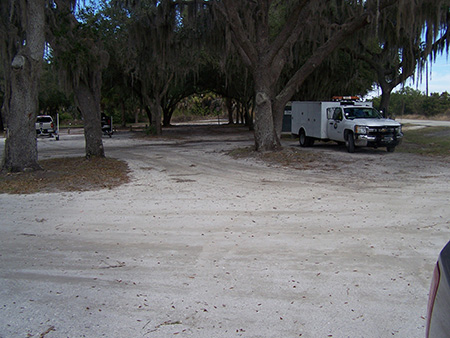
x,y
67,174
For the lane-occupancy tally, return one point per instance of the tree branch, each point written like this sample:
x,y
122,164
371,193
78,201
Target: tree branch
x,y
328,47
290,32
320,54
228,9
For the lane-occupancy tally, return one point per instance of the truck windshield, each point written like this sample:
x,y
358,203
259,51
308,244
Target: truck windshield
x,y
43,119
361,113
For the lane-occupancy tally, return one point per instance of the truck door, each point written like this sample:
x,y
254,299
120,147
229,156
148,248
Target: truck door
x,y
335,126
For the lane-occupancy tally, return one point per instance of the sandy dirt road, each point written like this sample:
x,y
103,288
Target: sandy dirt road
x,y
202,245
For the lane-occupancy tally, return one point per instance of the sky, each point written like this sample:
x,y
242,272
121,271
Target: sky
x,y
439,80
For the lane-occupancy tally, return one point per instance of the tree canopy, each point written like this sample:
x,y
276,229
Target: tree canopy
x,y
258,54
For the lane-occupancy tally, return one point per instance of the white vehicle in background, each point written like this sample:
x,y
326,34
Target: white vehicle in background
x,y
46,127
345,120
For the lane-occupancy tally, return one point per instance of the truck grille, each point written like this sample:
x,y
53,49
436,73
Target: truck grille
x,y
383,135
382,130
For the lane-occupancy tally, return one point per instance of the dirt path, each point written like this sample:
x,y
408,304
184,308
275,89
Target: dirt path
x,y
203,245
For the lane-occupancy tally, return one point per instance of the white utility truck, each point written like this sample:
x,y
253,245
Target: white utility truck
x,y
345,120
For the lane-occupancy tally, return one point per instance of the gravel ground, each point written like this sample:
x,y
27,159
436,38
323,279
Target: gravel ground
x,y
199,244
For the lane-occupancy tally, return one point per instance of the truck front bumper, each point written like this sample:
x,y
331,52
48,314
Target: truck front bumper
x,y
45,132
378,140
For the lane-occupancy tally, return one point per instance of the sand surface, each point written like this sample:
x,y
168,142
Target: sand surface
x,y
199,244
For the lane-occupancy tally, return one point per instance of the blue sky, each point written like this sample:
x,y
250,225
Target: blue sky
x,y
439,80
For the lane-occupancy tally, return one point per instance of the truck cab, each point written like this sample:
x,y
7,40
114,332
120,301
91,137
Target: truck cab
x,y
362,126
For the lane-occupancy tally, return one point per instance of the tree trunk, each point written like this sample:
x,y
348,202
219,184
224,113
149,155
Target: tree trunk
x,y
240,114
156,115
124,114
265,136
148,111
278,112
136,115
20,144
248,120
89,105
154,112
386,90
384,104
167,116
21,99
229,104
2,127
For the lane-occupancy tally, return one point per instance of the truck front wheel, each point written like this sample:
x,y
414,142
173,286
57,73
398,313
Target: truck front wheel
x,y
390,149
350,143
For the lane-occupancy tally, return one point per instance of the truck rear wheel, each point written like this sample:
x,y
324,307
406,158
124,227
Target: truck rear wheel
x,y
350,143
304,140
390,149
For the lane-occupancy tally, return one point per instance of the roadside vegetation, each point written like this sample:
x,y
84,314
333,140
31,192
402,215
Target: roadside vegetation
x,y
429,141
416,104
424,141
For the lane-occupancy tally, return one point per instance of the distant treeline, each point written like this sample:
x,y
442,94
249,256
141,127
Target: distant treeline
x,y
409,101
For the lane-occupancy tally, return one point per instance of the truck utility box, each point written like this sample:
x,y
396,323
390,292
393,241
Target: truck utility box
x,y
311,116
352,122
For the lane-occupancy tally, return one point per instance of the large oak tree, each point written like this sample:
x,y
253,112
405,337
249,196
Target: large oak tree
x,y
80,57
22,26
267,49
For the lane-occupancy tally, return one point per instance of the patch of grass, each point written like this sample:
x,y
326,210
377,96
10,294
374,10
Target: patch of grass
x,y
67,174
431,141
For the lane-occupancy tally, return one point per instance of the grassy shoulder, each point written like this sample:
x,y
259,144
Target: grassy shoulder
x,y
67,174
430,141
427,141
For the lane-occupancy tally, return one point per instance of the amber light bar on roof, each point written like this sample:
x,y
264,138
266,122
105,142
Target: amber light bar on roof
x,y
346,98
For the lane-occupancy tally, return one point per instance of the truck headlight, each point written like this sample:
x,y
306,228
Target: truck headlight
x,y
361,130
